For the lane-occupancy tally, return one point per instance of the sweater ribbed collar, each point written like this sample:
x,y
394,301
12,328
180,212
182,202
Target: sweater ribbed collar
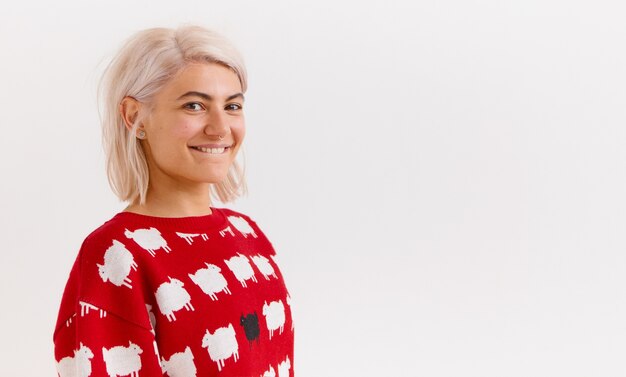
x,y
216,219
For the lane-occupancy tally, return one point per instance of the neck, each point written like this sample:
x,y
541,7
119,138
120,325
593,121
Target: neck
x,y
174,201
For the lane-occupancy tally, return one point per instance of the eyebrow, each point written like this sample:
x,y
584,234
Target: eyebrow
x,y
208,97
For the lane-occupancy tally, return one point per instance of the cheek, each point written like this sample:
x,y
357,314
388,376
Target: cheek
x,y
179,136
185,130
169,138
239,130
171,126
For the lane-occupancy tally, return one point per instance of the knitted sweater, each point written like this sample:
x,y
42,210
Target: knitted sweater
x,y
190,296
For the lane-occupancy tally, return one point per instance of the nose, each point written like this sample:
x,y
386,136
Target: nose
x,y
216,124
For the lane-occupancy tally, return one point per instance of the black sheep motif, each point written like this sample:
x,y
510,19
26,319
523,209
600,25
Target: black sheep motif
x,y
250,324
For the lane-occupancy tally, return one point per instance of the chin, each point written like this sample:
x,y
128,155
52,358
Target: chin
x,y
210,174
214,178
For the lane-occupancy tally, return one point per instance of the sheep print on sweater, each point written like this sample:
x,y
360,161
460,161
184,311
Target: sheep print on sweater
x,y
178,297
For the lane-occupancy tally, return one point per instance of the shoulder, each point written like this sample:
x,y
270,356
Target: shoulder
x,y
232,213
96,242
238,219
103,234
107,273
104,249
247,226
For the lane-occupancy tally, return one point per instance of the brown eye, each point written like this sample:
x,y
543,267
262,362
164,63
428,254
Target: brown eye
x,y
233,107
193,106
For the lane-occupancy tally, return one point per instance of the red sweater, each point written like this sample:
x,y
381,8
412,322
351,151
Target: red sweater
x,y
178,297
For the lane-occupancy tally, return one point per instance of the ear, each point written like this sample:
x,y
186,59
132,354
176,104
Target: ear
x,y
129,110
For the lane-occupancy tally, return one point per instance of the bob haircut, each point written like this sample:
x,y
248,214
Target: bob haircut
x,y
140,69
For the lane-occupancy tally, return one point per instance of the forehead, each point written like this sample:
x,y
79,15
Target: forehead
x,y
211,78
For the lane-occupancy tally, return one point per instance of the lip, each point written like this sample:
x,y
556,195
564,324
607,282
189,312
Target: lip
x,y
204,149
211,146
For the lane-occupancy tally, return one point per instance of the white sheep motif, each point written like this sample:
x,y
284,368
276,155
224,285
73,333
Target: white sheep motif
x,y
275,259
180,364
190,236
240,266
149,239
221,345
242,225
274,313
228,229
283,368
264,266
77,366
269,373
289,303
171,297
210,280
85,307
118,262
123,361
152,317
70,320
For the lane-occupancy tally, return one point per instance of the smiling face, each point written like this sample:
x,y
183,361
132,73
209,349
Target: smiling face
x,y
195,126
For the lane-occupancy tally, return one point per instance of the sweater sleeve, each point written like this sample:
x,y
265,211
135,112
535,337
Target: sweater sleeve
x,y
94,342
269,246
103,327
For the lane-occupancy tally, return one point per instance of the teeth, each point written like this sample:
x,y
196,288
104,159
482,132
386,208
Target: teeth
x,y
211,150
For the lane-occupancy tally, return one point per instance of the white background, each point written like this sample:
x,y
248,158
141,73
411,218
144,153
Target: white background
x,y
443,180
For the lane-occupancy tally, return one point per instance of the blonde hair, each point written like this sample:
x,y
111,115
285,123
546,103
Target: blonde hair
x,y
140,69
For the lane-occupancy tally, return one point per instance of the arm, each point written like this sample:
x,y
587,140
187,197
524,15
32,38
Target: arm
x,y
94,342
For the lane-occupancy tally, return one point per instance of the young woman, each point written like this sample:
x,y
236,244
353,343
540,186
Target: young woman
x,y
172,285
